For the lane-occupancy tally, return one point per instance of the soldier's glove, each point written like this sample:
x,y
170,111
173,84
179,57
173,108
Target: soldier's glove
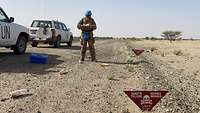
x,y
86,27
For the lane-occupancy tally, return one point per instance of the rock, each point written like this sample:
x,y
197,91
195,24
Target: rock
x,y
148,51
21,109
84,101
89,57
63,72
96,85
104,64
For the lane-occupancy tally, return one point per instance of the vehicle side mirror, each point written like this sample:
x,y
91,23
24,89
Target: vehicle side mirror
x,y
68,29
11,19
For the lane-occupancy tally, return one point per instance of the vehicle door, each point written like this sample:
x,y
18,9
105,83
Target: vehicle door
x,y
63,35
5,30
58,29
67,32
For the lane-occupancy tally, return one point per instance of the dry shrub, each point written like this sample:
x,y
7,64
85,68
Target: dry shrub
x,y
178,52
147,38
126,111
153,49
110,77
163,54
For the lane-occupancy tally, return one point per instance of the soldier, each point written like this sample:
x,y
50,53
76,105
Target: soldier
x,y
87,25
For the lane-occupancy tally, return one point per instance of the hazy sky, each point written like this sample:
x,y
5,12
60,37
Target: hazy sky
x,y
119,18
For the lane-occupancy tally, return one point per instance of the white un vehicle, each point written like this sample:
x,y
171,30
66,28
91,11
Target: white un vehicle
x,y
51,32
12,35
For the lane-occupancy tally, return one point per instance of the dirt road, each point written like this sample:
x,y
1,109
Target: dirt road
x,y
65,86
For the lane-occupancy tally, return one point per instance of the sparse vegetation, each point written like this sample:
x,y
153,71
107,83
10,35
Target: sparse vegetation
x,y
171,35
147,38
153,49
163,54
110,77
103,38
126,111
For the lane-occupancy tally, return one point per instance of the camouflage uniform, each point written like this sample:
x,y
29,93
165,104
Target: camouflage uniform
x,y
87,24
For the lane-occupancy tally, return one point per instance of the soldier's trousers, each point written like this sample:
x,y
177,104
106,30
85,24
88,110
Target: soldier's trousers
x,y
90,42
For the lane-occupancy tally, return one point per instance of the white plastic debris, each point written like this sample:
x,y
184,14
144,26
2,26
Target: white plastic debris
x,y
64,71
167,110
19,93
104,64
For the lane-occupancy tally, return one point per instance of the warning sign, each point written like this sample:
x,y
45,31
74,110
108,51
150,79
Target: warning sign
x,y
146,100
138,51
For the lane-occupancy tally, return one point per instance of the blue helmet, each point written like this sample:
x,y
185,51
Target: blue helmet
x,y
88,13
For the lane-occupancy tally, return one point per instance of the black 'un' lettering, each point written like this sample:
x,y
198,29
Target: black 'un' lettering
x,y
5,31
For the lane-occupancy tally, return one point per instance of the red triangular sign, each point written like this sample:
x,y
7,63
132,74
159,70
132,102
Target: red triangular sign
x,y
146,100
138,51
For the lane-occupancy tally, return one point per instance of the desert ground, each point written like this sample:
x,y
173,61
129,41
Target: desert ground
x,y
65,86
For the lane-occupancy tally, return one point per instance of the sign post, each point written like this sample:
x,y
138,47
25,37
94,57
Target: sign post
x,y
138,51
146,100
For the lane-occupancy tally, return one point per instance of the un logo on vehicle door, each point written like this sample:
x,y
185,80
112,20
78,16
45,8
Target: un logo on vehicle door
x,y
5,32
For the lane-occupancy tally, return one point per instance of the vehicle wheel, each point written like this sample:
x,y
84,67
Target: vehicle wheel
x,y
70,42
57,42
34,44
50,43
21,45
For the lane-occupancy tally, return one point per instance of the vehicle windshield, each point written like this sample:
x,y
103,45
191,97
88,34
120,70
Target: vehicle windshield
x,y
37,23
3,17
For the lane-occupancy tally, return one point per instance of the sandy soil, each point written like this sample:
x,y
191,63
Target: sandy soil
x,y
65,86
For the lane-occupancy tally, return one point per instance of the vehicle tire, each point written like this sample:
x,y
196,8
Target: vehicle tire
x,y
57,42
50,43
21,45
70,42
34,44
